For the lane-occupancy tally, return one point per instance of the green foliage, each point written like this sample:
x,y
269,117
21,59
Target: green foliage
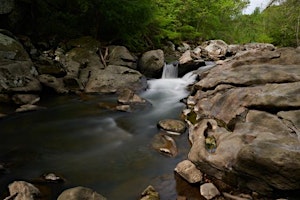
x,y
144,24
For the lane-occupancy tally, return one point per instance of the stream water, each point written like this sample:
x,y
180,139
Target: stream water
x,y
105,150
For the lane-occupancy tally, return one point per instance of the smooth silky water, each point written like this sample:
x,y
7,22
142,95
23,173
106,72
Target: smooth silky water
x,y
108,151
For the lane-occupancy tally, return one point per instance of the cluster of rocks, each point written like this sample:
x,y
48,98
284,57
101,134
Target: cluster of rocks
x,y
244,122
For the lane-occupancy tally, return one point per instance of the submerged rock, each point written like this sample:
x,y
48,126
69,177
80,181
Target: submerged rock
x,y
150,194
165,144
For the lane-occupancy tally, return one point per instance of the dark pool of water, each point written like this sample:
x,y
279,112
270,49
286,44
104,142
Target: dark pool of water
x,y
108,151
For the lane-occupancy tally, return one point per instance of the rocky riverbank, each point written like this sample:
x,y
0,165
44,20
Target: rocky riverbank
x,y
242,114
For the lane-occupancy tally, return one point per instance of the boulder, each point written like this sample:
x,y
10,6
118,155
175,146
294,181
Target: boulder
x,y
244,121
114,78
209,191
119,55
25,99
151,63
215,49
79,193
51,67
17,73
188,63
187,170
21,190
173,126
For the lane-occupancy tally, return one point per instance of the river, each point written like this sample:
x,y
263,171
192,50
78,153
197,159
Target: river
x,y
107,151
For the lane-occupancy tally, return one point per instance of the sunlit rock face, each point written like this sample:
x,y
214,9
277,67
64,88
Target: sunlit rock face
x,y
246,120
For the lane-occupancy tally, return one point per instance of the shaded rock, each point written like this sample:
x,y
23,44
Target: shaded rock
x,y
10,49
151,63
72,83
149,194
21,190
79,193
6,6
25,98
173,126
164,144
119,55
125,108
209,191
52,82
4,98
127,96
188,171
51,67
187,63
114,78
16,69
108,105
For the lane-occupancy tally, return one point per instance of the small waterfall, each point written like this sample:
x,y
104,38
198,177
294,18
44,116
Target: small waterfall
x,y
170,70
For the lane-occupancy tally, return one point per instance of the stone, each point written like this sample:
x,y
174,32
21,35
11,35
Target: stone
x,y
172,126
54,83
149,194
6,6
17,73
209,191
48,66
151,63
21,190
189,171
25,99
79,193
127,96
29,107
216,49
119,55
165,144
115,78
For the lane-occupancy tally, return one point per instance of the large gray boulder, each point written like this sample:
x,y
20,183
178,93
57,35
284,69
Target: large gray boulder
x,y
151,63
115,78
120,55
245,121
17,73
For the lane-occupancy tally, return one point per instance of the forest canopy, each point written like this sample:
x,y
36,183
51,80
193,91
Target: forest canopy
x,y
150,23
